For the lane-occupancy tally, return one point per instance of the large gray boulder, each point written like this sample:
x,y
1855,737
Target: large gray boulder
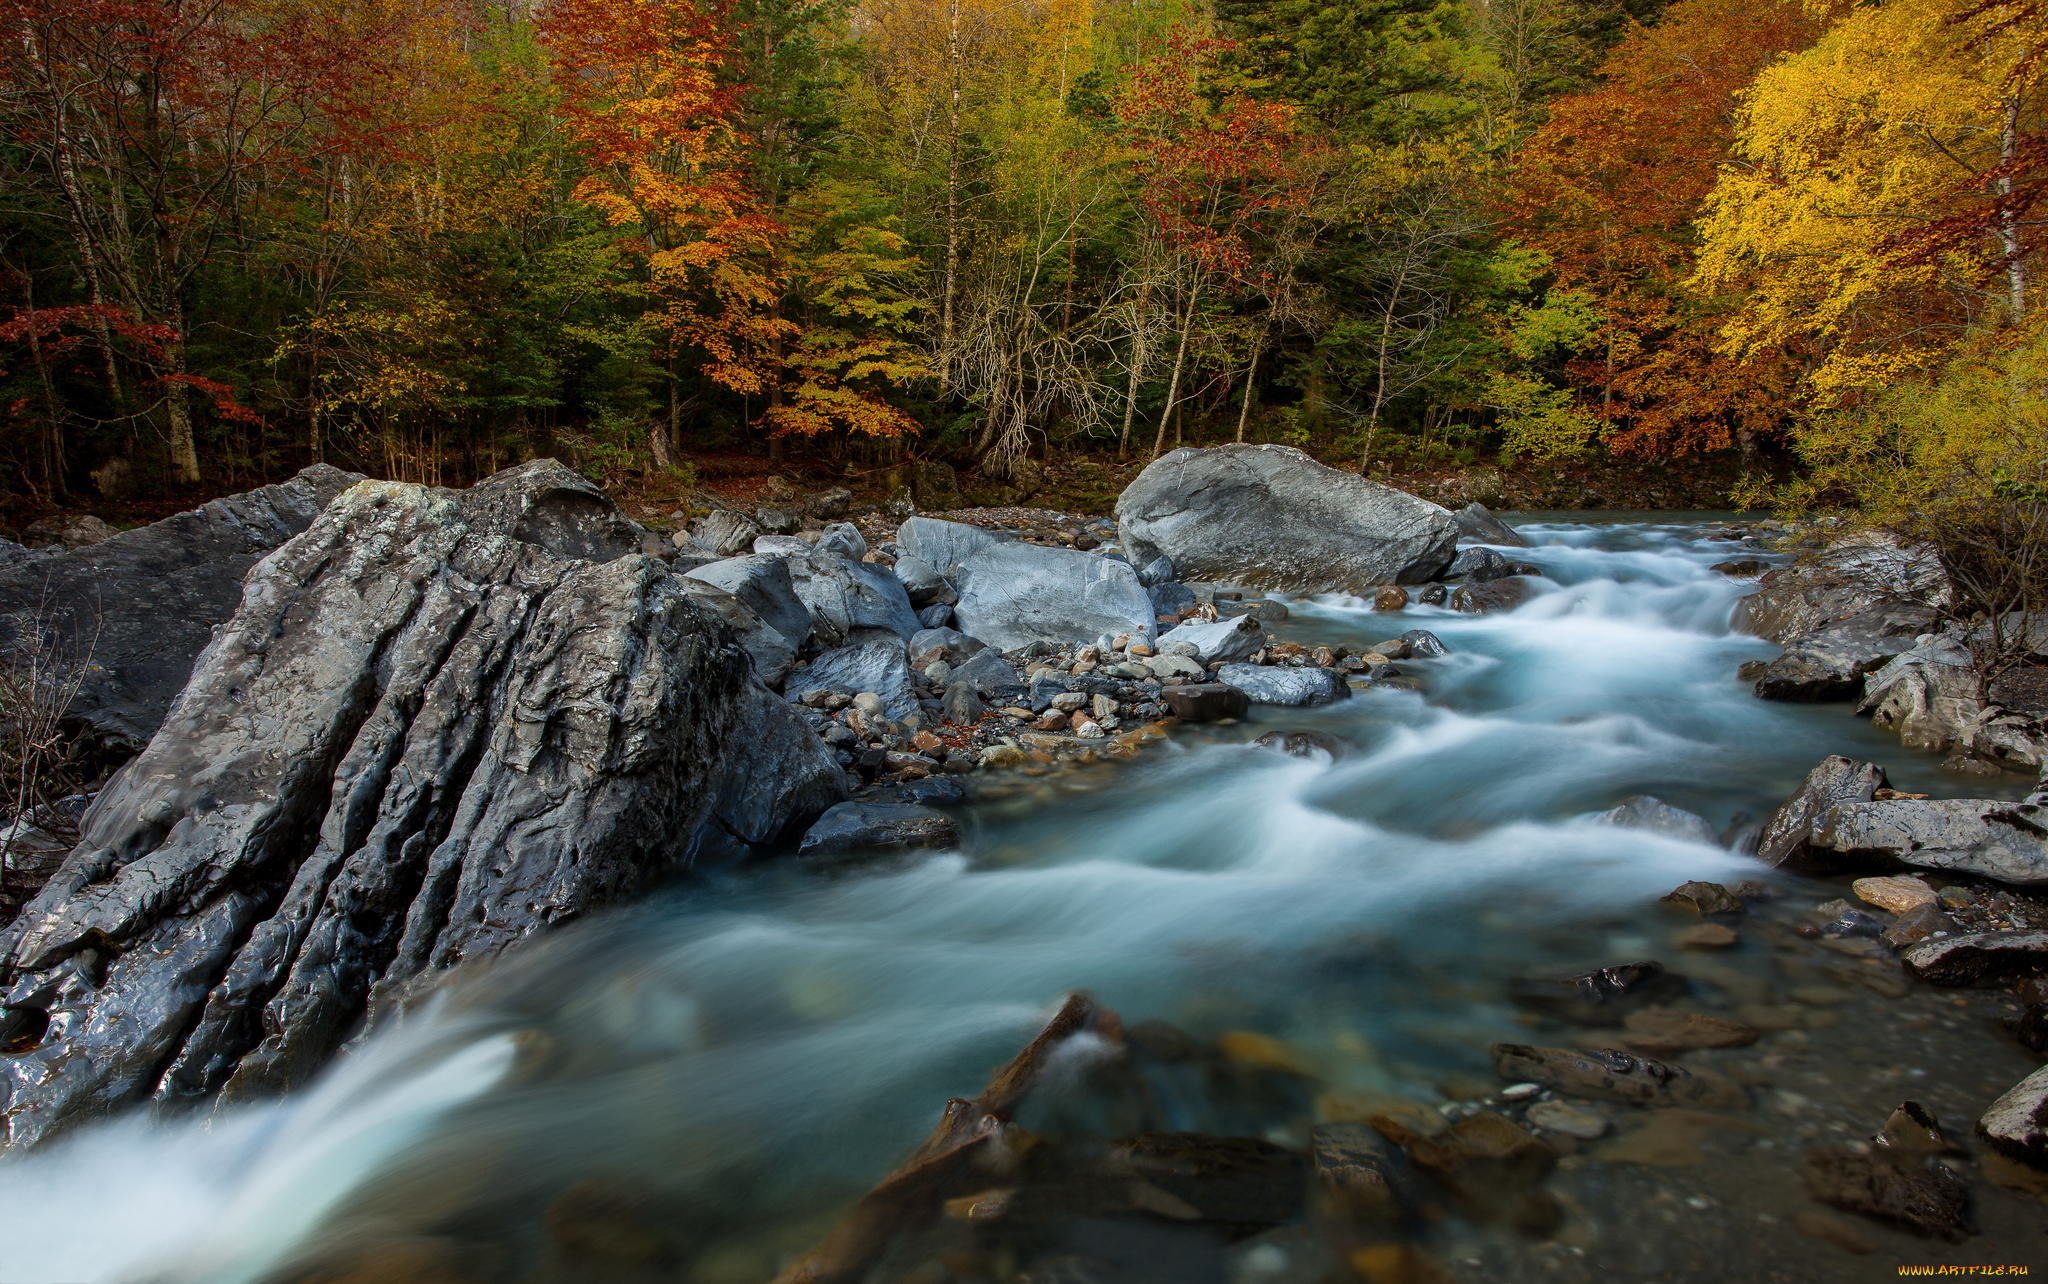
x,y
1849,576
1239,638
1829,663
766,647
776,775
1273,517
2016,1125
1787,838
432,729
842,594
764,584
1933,697
1011,594
1998,840
140,605
1275,684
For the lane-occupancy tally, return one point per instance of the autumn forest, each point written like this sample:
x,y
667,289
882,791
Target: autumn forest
x,y
426,238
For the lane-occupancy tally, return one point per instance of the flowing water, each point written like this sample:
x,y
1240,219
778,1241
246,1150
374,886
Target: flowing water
x,y
694,1088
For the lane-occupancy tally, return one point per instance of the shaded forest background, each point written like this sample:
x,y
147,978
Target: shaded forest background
x,y
427,238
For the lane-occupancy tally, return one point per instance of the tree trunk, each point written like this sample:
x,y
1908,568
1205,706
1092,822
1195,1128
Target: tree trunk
x,y
1139,357
178,406
2008,218
1180,358
949,293
1251,374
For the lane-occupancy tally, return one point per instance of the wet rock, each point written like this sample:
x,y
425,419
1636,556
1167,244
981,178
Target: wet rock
x,y
1659,817
1747,568
1927,1198
1422,645
769,650
1367,1173
1666,1030
853,827
1570,1120
872,662
466,736
1012,594
1787,838
922,582
1390,598
2016,1125
140,605
1852,575
1476,563
1979,958
1493,595
1612,1075
1919,924
1284,686
1206,702
1829,663
1707,936
2003,841
1596,997
1273,517
777,776
1240,1184
1912,1132
1220,640
1477,523
1703,898
1894,895
1314,745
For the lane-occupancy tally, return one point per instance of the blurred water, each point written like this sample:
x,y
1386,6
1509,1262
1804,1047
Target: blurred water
x,y
753,1053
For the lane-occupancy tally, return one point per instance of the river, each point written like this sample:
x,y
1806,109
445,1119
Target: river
x,y
706,1080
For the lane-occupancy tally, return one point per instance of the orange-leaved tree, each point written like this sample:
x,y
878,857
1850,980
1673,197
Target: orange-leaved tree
x,y
1608,190
648,102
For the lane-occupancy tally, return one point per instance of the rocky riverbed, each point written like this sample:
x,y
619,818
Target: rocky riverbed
x,y
1458,915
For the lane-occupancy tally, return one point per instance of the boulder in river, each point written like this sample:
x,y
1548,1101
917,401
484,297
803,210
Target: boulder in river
x,y
1273,517
1997,840
1477,524
1850,576
853,827
1610,1074
1282,685
434,727
1923,1195
1012,594
1979,958
1787,838
1653,815
1933,698
1830,663
140,605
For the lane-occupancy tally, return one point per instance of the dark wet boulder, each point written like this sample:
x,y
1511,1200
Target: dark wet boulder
x,y
1610,1074
1282,685
1830,663
775,776
1490,595
143,603
851,828
1600,996
1273,517
843,594
2016,1125
1979,958
1703,898
1787,838
1012,594
1478,563
1923,1196
763,583
993,677
1478,524
415,744
766,647
1206,701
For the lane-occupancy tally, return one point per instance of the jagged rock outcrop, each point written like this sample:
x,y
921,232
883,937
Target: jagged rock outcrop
x,y
1850,576
1011,594
1829,663
141,604
1998,840
1932,696
1787,837
1273,517
437,724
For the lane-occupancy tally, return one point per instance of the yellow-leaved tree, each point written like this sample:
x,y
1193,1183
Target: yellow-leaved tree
x,y
1902,115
